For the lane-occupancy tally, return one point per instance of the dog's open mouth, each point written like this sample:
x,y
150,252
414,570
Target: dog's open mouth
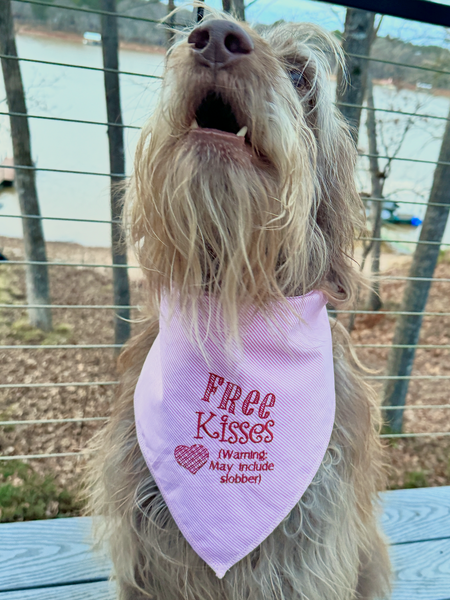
x,y
215,119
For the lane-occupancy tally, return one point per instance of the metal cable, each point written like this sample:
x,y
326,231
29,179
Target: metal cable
x,y
75,219
420,242
113,266
416,406
392,312
82,346
40,385
407,278
400,201
418,346
361,106
106,221
404,159
84,452
67,264
100,419
381,278
71,171
398,377
399,64
92,383
392,111
398,158
108,346
27,116
53,421
53,455
365,239
60,346
105,346
71,66
120,307
100,12
411,435
82,306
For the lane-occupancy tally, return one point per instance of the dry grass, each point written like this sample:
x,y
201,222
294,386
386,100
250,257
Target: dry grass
x,y
414,462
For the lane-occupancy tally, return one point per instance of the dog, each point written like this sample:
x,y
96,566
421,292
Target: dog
x,y
243,191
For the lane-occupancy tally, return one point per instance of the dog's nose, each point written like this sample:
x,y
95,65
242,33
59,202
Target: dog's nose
x,y
218,42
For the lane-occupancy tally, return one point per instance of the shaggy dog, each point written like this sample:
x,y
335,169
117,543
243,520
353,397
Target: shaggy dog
x,y
260,206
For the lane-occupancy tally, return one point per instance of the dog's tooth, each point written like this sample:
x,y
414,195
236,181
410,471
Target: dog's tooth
x,y
194,124
242,132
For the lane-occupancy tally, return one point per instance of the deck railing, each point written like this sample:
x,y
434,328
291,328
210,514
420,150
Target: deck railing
x,y
438,15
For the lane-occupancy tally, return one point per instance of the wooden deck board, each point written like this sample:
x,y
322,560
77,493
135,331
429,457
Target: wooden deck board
x,y
52,552
58,553
102,590
422,570
416,515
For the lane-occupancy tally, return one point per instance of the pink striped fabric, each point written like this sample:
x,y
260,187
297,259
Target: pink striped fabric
x,y
234,435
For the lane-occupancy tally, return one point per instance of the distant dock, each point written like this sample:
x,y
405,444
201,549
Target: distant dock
x,y
6,173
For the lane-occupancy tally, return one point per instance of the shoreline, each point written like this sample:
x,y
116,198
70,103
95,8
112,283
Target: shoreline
x,y
76,38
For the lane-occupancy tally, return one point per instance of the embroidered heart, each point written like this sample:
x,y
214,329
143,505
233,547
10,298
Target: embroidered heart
x,y
191,458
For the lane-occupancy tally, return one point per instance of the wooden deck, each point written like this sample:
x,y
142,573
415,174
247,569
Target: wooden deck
x,y
53,560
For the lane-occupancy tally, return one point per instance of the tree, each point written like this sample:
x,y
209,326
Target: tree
x,y
110,48
171,23
392,144
37,280
235,7
357,40
377,183
415,296
377,178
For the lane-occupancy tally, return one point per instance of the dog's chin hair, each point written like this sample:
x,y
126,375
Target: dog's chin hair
x,y
214,220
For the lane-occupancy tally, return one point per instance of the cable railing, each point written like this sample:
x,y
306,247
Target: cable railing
x,y
347,104
86,67
64,120
95,11
361,154
84,453
113,307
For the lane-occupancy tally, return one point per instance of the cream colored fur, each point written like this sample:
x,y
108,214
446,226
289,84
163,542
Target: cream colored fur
x,y
249,232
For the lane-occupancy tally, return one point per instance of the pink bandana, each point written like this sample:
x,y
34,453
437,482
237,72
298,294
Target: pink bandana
x,y
233,439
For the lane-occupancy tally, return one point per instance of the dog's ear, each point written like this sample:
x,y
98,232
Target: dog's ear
x,y
340,211
309,55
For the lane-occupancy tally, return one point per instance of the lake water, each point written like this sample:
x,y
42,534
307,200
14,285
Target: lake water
x,y
79,94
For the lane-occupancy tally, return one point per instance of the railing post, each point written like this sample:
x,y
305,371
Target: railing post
x,y
37,280
415,297
110,47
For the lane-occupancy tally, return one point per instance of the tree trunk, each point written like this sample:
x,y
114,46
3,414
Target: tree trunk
x,y
235,7
377,180
200,11
110,48
358,37
171,23
415,297
239,9
37,280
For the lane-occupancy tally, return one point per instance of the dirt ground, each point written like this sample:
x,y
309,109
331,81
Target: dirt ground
x,y
412,462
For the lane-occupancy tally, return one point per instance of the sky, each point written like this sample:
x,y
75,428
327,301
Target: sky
x,y
332,17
